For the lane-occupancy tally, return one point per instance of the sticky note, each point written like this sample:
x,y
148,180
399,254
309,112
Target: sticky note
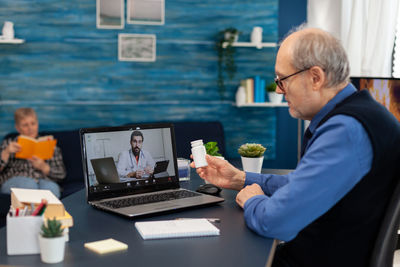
x,y
106,246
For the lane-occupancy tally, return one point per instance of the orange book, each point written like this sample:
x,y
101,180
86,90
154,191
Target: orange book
x,y
42,147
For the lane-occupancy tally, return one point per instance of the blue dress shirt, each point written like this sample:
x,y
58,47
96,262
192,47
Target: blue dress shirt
x,y
337,156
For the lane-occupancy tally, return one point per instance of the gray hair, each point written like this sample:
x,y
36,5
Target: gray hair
x,y
323,50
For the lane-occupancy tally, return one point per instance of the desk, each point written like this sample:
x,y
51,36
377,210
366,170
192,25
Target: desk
x,y
236,246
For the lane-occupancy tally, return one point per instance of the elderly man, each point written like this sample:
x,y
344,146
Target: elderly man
x,y
328,210
33,173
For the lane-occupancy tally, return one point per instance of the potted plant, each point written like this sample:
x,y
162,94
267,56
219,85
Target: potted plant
x,y
212,149
252,157
272,95
226,51
52,241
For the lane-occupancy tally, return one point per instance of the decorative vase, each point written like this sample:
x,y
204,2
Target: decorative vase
x,y
52,249
8,30
240,96
252,164
275,98
256,35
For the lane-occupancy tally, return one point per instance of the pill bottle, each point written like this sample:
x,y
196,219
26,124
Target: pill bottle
x,y
199,153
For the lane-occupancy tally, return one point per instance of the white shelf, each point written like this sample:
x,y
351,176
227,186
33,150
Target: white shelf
x,y
11,41
248,44
266,104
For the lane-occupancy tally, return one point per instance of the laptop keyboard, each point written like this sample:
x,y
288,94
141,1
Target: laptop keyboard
x,y
147,199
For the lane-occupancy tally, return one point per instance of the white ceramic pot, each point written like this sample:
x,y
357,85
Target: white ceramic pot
x,y
252,164
8,30
256,35
52,249
275,98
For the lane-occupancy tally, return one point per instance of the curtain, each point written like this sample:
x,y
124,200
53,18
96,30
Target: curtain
x,y
366,28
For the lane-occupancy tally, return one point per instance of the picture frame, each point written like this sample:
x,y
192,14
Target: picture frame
x,y
136,47
110,14
149,12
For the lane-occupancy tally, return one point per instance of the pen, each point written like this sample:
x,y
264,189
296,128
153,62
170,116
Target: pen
x,y
39,208
16,212
23,212
214,220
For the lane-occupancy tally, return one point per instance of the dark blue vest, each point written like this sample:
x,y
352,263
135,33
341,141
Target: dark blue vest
x,y
345,234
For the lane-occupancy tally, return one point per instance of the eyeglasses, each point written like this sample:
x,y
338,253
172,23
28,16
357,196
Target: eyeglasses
x,y
279,82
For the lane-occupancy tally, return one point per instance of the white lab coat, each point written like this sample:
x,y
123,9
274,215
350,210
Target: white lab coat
x,y
127,162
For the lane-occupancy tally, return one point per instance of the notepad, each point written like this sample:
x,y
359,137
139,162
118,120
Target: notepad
x,y
106,246
176,228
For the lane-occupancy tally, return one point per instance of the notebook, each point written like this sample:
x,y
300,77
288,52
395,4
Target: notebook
x,y
176,228
133,197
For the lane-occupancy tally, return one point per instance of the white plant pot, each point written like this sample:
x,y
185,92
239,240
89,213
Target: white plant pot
x,y
275,98
252,164
8,30
52,249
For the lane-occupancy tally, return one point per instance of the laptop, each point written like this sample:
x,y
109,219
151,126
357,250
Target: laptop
x,y
161,166
133,197
105,170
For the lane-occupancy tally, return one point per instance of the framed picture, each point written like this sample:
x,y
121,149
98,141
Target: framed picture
x,y
149,12
110,14
136,47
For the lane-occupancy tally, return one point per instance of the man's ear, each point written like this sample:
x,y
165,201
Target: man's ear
x,y
318,77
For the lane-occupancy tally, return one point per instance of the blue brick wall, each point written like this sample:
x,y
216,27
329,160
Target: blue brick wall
x,y
69,72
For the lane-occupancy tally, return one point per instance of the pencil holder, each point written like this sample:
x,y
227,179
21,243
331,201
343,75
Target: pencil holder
x,y
22,234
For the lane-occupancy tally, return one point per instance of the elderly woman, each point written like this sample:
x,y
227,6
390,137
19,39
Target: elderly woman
x,y
32,173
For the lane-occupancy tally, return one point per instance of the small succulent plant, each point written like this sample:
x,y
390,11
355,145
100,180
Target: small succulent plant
x,y
212,149
52,228
251,150
271,87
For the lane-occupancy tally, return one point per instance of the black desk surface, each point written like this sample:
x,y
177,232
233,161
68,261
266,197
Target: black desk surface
x,y
237,245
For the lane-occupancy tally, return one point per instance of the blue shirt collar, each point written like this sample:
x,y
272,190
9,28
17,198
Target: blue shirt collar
x,y
339,97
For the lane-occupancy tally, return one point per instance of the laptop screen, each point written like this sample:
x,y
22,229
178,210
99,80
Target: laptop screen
x,y
130,157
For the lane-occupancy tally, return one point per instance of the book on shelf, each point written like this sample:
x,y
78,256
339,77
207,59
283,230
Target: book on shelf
x,y
249,89
43,147
21,197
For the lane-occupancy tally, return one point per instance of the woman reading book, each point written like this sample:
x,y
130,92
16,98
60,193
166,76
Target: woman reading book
x,y
32,172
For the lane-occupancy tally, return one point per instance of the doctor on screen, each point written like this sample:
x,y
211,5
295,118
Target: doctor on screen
x,y
135,162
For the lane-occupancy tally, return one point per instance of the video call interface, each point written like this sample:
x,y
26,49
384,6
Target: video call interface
x,y
129,159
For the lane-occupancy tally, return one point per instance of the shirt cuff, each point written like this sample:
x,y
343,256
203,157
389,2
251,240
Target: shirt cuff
x,y
252,178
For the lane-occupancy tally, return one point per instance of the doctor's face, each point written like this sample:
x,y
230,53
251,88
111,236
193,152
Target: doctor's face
x,y
136,144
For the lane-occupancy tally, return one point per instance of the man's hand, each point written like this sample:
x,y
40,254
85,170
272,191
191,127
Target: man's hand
x,y
149,170
131,175
13,147
248,192
40,164
221,173
139,173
